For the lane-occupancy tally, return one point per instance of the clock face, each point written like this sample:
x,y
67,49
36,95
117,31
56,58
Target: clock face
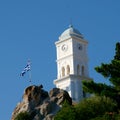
x,y
79,46
64,47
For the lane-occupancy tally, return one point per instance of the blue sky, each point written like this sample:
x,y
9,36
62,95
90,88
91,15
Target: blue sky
x,y
29,29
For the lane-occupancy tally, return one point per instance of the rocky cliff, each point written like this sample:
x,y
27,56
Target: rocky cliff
x,y
41,105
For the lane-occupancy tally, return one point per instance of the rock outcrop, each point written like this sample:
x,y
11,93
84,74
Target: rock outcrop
x,y
40,104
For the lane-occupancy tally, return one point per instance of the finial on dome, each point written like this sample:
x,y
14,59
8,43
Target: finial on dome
x,y
70,26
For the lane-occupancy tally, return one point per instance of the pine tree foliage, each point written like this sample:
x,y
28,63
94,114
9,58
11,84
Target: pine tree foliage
x,y
67,112
111,71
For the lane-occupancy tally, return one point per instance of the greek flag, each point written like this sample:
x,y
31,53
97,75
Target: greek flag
x,y
26,69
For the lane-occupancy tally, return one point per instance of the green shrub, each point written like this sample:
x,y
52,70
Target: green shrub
x,y
67,112
23,116
108,116
94,107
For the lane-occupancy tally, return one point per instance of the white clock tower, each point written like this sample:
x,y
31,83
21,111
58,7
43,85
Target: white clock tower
x,y
72,63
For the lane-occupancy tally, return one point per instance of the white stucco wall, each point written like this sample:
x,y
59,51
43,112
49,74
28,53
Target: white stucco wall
x,y
68,53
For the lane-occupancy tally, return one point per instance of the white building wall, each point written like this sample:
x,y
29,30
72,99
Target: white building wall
x,y
73,56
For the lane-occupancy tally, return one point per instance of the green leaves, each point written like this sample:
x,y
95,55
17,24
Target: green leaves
x,y
111,71
67,112
117,55
94,107
100,89
87,109
23,116
104,69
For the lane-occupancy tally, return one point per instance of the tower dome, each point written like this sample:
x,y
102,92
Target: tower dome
x,y
71,31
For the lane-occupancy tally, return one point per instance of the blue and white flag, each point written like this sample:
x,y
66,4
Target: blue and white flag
x,y
26,69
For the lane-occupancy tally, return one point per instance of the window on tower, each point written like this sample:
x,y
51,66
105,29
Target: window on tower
x,y
68,69
78,69
63,71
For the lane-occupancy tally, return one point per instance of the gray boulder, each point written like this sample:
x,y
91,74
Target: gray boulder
x,y
40,104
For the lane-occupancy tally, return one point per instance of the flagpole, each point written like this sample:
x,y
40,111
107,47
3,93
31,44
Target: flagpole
x,y
30,74
30,77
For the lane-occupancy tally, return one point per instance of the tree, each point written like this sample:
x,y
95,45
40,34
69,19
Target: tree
x,y
94,107
108,116
110,71
23,116
67,112
87,109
